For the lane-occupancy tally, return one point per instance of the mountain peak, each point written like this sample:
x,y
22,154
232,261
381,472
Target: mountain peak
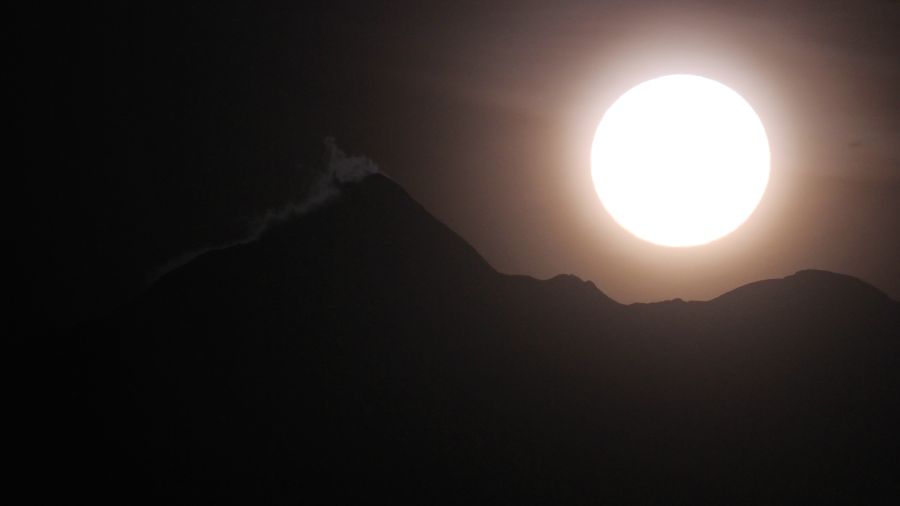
x,y
808,290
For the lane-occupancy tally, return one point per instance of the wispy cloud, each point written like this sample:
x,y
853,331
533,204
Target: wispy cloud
x,y
339,169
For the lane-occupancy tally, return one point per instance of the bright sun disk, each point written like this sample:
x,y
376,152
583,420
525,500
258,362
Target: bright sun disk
x,y
680,160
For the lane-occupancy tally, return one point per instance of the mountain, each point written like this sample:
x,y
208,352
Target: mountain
x,y
363,352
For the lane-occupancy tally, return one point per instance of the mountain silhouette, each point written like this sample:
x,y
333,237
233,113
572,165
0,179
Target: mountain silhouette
x,y
363,352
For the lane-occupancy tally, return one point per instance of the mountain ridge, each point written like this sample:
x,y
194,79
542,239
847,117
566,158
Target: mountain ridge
x,y
387,190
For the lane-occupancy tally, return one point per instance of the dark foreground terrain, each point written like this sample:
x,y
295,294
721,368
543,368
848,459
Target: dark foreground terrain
x,y
364,353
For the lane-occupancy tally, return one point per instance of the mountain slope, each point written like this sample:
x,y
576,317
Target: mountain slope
x,y
364,352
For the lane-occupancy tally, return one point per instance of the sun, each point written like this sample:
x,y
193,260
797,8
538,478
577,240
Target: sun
x,y
680,160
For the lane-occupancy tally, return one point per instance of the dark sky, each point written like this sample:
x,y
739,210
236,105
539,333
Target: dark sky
x,y
193,121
